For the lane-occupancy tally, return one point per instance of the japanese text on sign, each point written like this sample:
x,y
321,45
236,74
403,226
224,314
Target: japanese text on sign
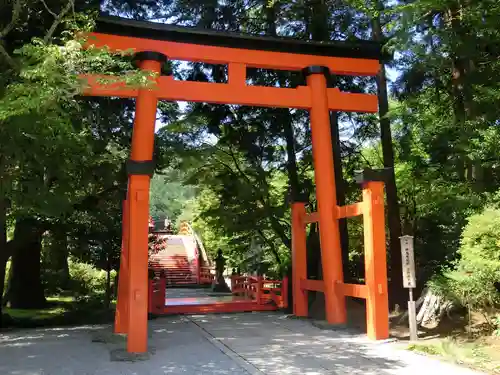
x,y
409,279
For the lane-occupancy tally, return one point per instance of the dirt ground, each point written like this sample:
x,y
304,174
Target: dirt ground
x,y
474,346
452,340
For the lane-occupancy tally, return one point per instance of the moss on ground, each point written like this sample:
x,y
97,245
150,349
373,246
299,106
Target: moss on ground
x,y
482,354
60,310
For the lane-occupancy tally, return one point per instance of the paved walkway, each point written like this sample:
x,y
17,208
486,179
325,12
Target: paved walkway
x,y
198,296
225,344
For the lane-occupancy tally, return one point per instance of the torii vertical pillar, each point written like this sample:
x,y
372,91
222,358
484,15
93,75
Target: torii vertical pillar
x,y
299,259
140,168
121,314
377,300
331,254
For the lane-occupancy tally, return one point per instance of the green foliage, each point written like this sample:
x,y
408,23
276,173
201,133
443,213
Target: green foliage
x,y
38,111
7,270
472,281
426,349
169,195
57,306
496,323
480,248
63,161
474,354
51,280
86,280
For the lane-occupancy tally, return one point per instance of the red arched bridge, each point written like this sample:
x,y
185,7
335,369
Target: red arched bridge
x,y
180,261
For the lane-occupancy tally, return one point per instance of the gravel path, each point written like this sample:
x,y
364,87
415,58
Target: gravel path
x,y
232,344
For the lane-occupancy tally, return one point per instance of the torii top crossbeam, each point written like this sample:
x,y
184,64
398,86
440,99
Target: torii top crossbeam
x,y
238,52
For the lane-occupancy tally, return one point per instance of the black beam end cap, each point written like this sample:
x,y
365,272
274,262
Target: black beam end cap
x,y
316,69
301,198
140,167
369,174
149,55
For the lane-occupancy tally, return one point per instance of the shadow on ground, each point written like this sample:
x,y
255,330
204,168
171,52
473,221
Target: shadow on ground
x,y
224,344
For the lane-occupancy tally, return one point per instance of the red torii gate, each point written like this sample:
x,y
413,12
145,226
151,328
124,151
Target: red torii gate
x,y
152,44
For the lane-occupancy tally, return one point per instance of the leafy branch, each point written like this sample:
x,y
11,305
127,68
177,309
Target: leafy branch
x,y
16,13
57,18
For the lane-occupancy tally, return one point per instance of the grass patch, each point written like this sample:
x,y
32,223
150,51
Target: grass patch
x,y
475,354
425,349
60,311
56,306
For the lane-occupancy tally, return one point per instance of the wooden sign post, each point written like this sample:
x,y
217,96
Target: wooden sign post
x,y
409,281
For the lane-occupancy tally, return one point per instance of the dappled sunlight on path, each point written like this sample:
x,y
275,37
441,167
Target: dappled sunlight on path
x,y
232,344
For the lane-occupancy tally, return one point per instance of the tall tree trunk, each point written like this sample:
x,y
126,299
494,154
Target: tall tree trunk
x,y
462,65
284,116
25,287
286,121
314,270
291,163
396,291
107,299
463,103
209,15
8,279
4,255
59,256
270,13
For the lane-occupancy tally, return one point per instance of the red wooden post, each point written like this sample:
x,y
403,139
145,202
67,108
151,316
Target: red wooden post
x,y
258,291
151,296
248,287
121,313
156,295
161,294
164,288
139,172
331,256
377,302
284,292
233,284
299,260
198,266
239,286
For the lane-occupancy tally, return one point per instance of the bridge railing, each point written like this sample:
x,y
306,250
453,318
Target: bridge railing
x,y
262,290
206,275
157,287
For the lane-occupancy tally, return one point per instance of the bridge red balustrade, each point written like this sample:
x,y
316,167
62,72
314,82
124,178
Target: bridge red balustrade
x,y
183,274
261,293
261,290
156,294
206,275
